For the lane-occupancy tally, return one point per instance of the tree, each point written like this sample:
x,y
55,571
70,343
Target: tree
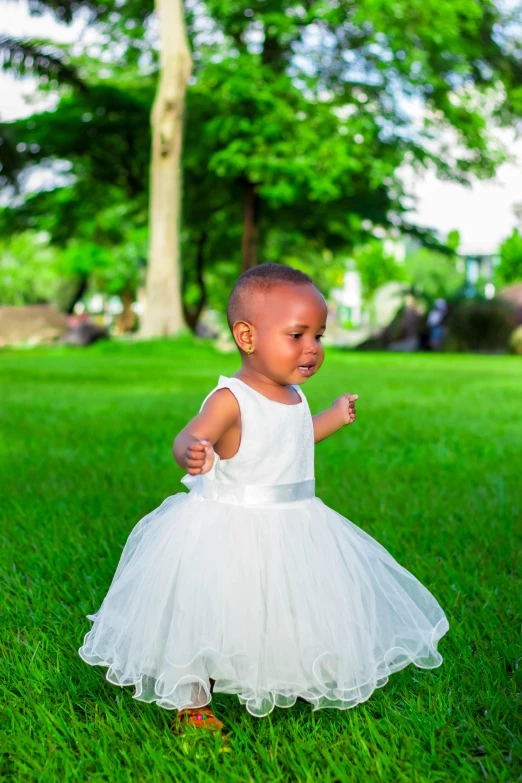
x,y
432,274
97,214
359,69
294,164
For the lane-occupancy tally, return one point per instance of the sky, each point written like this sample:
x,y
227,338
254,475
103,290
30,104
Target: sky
x,y
482,213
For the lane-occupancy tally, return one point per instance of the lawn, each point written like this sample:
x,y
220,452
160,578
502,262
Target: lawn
x,y
431,469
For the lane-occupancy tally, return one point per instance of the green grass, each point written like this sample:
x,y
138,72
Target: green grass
x,y
431,469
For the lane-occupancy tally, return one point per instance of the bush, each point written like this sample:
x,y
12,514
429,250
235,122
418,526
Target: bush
x,y
479,325
515,340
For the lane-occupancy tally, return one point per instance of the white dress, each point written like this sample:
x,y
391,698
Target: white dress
x,y
251,580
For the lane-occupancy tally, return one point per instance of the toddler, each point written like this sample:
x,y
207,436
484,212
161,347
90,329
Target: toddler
x,y
249,584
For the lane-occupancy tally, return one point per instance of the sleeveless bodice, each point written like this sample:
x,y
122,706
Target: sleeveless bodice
x,y
277,440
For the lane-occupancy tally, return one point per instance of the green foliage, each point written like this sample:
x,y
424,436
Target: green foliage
x,y
12,162
104,135
37,58
453,240
311,106
432,274
291,147
97,213
510,268
220,278
376,266
111,268
93,233
374,55
315,184
43,60
29,269
515,340
308,255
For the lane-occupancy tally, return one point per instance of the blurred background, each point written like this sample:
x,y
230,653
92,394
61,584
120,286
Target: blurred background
x,y
149,155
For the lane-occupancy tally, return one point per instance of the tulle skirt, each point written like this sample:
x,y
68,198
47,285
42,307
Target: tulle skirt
x,y
272,602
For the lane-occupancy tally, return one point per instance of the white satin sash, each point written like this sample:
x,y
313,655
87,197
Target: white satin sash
x,y
249,494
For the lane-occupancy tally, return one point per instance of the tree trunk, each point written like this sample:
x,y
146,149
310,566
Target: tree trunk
x,y
249,243
81,288
163,314
192,315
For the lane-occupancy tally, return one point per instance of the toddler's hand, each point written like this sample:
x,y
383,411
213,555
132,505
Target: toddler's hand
x,y
346,406
199,457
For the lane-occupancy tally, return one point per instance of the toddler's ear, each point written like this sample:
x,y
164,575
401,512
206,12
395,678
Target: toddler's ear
x,y
243,335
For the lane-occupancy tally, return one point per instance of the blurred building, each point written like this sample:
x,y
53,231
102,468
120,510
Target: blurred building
x,y
347,300
480,266
351,320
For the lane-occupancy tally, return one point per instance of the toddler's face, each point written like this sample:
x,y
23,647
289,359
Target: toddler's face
x,y
288,326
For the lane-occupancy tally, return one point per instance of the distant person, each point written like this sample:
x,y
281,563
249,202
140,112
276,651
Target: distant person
x,y
435,324
249,584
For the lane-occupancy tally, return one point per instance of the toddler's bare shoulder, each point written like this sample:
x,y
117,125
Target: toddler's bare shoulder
x,y
222,402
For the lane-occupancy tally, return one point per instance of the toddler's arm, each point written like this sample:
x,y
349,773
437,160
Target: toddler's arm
x,y
342,412
193,446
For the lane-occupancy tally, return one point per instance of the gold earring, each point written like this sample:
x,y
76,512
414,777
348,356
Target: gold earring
x,y
249,351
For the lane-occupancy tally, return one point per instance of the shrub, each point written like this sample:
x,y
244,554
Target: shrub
x,y
479,325
515,340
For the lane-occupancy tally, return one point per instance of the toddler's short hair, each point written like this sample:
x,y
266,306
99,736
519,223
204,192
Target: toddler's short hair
x,y
260,278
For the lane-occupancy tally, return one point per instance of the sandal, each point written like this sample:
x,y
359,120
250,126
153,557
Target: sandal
x,y
201,717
